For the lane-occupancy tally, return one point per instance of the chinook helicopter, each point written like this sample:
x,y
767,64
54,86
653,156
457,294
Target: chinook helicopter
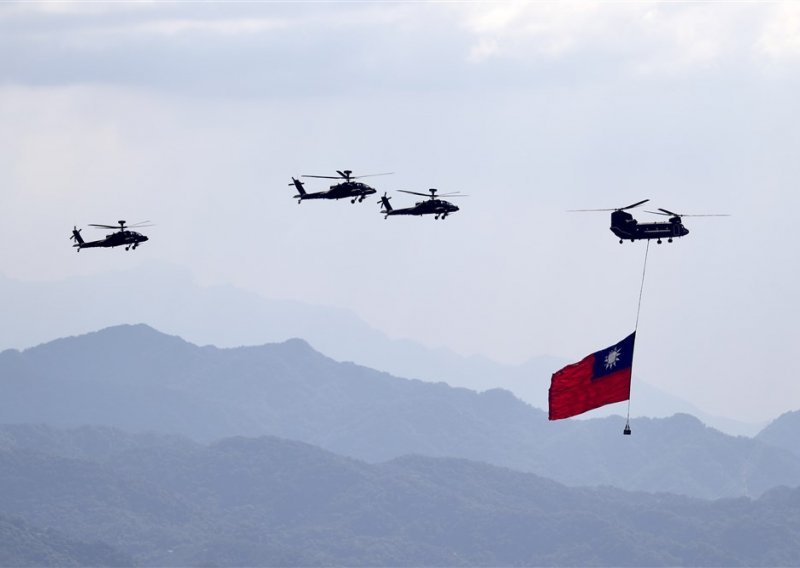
x,y
353,190
130,239
439,208
624,226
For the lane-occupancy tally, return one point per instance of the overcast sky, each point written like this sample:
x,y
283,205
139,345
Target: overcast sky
x,y
196,115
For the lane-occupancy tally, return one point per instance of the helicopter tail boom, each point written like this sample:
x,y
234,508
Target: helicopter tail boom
x,y
385,205
76,236
299,186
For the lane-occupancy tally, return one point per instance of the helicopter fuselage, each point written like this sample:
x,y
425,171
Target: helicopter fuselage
x,y
127,238
624,226
354,190
438,207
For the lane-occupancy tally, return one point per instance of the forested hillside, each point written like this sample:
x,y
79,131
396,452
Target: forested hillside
x,y
137,379
268,501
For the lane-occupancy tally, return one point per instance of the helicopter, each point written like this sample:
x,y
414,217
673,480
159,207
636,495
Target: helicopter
x,y
439,208
624,226
131,239
355,190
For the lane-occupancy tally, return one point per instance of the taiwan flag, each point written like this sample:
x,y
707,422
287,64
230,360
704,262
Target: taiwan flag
x,y
601,378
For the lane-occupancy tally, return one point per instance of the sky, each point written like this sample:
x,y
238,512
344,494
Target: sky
x,y
195,116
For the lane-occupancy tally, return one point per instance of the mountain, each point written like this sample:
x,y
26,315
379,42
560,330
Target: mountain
x,y
783,432
24,545
137,379
267,502
170,300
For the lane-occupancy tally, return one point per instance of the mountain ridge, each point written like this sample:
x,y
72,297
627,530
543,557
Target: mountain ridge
x,y
137,379
251,501
170,300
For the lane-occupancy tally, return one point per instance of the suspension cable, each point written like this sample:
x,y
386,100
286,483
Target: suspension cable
x,y
636,329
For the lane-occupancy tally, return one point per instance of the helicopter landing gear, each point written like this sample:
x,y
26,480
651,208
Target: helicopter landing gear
x,y
669,240
620,241
659,241
352,200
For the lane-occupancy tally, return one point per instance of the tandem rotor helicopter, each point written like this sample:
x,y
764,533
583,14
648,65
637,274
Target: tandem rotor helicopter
x,y
353,190
130,239
432,206
624,226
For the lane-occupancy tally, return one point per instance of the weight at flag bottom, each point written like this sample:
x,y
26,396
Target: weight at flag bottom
x,y
602,378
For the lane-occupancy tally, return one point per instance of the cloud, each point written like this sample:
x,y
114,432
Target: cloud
x,y
653,38
288,50
217,27
780,35
269,50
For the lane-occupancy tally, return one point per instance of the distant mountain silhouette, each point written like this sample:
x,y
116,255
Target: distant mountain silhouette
x,y
783,432
270,502
137,379
170,300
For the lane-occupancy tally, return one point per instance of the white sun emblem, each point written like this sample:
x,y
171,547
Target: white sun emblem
x,y
612,358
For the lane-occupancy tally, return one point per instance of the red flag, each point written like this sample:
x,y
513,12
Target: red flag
x,y
604,377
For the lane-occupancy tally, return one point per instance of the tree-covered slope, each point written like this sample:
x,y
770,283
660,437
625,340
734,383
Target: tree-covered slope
x,y
24,545
137,379
269,502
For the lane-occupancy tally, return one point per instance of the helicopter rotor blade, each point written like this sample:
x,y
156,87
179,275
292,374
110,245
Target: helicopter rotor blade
x,y
123,225
346,176
371,175
415,193
667,213
633,205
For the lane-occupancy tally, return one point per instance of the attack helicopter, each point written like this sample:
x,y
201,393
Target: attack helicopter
x,y
353,190
439,208
624,226
123,236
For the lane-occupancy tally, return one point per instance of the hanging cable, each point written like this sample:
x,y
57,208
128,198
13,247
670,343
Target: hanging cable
x,y
627,429
641,288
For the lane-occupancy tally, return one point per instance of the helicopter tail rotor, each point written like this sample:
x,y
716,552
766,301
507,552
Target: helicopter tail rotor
x,y
76,236
299,186
385,205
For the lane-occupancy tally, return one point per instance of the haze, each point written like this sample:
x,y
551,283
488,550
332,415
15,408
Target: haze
x,y
195,116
